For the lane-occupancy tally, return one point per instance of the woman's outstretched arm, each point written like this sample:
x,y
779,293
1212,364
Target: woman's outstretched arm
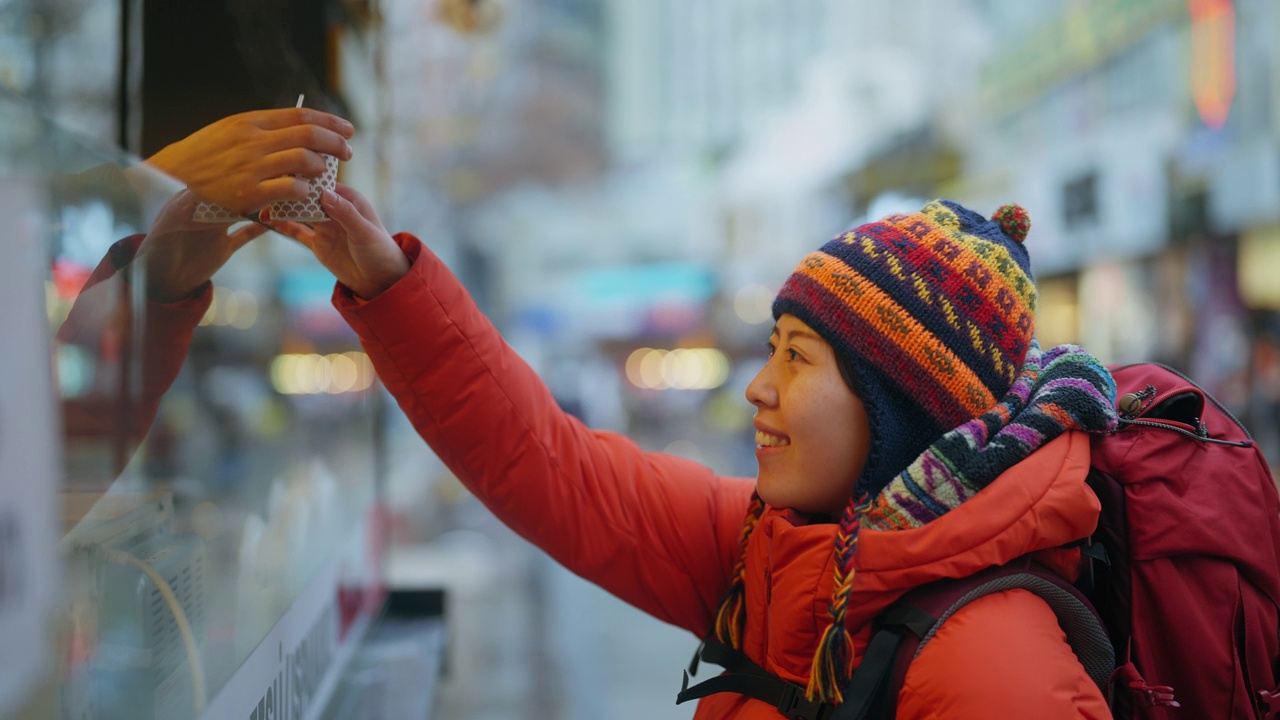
x,y
658,531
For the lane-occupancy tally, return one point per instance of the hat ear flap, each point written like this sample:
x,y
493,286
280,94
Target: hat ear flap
x,y
900,430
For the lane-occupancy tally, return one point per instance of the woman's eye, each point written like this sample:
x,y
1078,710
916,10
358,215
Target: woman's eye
x,y
791,353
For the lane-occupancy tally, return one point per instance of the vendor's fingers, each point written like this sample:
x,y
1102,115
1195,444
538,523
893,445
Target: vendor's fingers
x,y
311,137
281,188
294,161
288,117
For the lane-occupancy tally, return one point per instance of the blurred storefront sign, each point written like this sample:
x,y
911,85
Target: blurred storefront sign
x,y
1213,52
305,294
300,288
1086,35
629,301
645,284
1257,265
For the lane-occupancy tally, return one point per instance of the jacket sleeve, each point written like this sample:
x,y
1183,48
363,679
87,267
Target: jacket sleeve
x,y
658,531
143,353
1001,656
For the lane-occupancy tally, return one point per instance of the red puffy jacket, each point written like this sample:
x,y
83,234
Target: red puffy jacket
x,y
661,532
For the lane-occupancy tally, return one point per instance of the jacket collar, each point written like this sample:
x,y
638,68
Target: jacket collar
x,y
1038,505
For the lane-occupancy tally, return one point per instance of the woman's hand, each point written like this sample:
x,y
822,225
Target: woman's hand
x,y
354,245
247,161
179,254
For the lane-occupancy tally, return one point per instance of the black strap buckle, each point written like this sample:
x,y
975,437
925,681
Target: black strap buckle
x,y
796,706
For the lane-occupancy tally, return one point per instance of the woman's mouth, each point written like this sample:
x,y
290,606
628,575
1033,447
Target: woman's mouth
x,y
764,439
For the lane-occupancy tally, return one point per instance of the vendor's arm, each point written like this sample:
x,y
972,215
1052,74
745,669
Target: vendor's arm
x,y
656,530
247,161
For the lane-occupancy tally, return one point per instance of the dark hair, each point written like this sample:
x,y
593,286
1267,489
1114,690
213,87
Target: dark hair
x,y
847,374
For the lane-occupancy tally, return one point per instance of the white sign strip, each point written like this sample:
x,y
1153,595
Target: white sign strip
x,y
294,670
29,456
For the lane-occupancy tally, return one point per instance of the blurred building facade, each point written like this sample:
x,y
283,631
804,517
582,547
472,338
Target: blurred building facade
x,y
693,77
1143,137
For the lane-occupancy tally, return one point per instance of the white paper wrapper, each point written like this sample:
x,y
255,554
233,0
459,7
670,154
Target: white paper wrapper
x,y
309,210
207,212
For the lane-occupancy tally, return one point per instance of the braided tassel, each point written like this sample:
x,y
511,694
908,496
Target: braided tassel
x,y
831,662
733,610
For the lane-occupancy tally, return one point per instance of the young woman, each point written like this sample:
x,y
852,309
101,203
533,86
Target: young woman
x,y
908,428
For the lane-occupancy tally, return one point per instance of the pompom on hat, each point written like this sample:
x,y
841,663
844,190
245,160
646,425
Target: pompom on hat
x,y
934,313
1013,220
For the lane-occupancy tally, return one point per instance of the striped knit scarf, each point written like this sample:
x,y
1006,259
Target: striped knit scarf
x,y
1056,391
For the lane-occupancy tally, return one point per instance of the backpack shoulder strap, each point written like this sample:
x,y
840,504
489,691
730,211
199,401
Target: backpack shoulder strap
x,y
745,677
902,632
909,625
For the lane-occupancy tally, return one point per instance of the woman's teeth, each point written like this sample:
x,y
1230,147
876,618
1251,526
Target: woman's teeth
x,y
764,439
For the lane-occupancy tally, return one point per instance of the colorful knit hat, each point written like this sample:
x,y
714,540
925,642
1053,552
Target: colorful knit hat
x,y
934,313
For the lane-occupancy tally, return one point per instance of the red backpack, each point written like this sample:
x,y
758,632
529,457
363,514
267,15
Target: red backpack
x,y
1178,612
1191,526
1184,577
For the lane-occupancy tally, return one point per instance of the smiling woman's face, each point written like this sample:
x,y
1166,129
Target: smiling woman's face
x,y
812,435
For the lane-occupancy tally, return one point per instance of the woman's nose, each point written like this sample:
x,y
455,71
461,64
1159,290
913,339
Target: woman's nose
x,y
761,391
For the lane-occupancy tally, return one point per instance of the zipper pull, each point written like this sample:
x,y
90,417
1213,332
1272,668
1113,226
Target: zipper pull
x,y
1132,404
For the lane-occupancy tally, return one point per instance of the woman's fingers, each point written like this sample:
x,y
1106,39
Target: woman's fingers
x,y
360,202
345,213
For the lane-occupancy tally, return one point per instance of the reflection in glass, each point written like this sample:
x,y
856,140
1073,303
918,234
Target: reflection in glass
x,y
218,435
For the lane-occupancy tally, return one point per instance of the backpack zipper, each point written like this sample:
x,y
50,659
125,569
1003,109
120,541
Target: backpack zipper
x,y
1201,434
1211,399
1149,398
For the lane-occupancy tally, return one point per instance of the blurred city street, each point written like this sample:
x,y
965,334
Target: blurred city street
x,y
622,186
527,638
542,643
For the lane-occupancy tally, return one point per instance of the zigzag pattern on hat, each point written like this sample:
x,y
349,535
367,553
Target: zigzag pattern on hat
x,y
945,314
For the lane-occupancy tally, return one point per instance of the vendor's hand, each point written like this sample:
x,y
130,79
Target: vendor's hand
x,y
247,161
354,245
179,254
